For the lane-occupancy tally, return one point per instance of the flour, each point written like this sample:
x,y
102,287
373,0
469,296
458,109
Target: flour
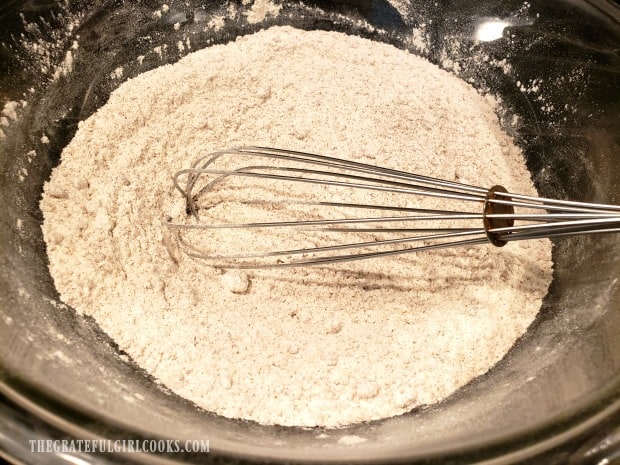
x,y
323,346
236,281
260,10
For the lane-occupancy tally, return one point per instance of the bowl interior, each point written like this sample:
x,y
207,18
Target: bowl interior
x,y
562,371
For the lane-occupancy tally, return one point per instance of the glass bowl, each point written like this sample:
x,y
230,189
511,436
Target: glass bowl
x,y
556,395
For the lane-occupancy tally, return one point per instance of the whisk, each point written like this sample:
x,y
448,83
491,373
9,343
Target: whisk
x,y
306,209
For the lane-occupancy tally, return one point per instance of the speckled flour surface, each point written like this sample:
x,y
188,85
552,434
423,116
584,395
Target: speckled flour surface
x,y
303,346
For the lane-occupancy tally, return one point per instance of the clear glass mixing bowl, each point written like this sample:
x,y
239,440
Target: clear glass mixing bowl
x,y
556,395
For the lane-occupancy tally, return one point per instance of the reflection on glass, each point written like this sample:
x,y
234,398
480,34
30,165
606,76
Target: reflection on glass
x,y
491,29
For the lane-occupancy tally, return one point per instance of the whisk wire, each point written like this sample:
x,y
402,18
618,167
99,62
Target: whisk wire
x,y
480,215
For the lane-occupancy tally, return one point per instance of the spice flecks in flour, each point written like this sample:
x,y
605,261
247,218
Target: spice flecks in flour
x,y
307,346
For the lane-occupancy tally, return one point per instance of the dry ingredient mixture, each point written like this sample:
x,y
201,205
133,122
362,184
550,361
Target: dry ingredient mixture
x,y
303,346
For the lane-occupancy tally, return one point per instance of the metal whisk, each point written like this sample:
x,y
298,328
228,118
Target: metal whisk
x,y
307,209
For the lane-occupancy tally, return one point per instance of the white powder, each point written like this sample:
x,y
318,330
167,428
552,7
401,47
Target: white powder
x,y
117,73
351,440
305,346
236,281
65,67
9,111
260,10
216,22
